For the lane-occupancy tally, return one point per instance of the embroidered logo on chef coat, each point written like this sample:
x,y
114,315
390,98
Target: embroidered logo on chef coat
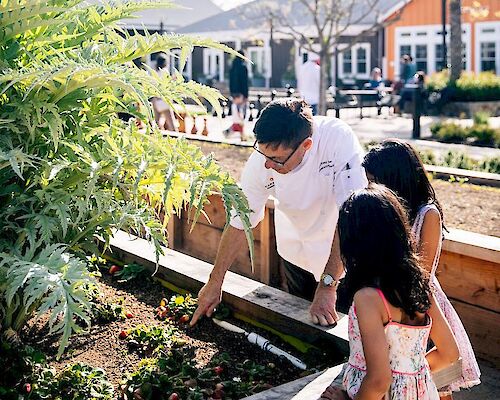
x,y
326,168
270,185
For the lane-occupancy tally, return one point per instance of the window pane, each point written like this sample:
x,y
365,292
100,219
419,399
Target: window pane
x,y
488,66
488,55
439,57
421,57
361,60
404,50
347,61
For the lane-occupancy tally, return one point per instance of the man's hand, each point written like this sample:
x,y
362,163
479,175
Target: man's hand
x,y
209,297
322,309
334,393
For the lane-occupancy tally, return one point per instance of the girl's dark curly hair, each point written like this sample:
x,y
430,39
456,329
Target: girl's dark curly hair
x,y
378,250
398,166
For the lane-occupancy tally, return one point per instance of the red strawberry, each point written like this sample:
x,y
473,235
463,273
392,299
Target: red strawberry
x,y
123,335
27,387
218,394
174,396
218,370
113,269
129,314
184,319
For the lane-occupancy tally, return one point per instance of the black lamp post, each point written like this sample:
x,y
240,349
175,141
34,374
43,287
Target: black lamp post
x,y
443,21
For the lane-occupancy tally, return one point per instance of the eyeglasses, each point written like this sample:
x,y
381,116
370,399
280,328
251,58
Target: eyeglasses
x,y
280,164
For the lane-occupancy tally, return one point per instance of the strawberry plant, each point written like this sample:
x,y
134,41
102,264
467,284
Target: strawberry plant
x,y
71,172
82,382
152,339
178,308
129,272
27,376
174,371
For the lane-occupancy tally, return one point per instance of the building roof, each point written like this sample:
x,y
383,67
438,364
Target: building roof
x,y
171,18
249,16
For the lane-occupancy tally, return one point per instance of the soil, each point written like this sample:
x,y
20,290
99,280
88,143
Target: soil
x,y
102,347
469,207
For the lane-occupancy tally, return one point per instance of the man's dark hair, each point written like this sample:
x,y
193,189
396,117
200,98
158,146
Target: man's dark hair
x,y
284,122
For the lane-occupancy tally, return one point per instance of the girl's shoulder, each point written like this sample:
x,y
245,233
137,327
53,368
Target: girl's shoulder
x,y
428,209
371,303
431,218
366,293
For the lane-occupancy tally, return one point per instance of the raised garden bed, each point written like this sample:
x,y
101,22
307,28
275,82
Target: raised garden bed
x,y
205,361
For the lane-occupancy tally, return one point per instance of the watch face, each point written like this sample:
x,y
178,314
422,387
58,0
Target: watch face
x,y
327,280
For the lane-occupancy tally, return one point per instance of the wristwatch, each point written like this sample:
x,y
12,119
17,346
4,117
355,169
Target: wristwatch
x,y
328,281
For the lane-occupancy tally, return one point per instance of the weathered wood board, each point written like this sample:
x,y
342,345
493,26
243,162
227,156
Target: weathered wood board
x,y
266,305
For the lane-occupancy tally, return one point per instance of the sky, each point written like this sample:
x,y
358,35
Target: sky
x,y
227,4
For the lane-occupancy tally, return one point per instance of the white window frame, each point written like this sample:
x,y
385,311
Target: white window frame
x,y
174,57
209,65
263,64
481,37
409,36
354,61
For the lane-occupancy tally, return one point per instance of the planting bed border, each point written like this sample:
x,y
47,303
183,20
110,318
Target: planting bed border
x,y
270,308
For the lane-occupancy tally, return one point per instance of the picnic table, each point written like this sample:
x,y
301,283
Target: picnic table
x,y
359,98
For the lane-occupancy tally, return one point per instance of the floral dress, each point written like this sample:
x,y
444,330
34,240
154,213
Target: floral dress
x,y
411,376
470,368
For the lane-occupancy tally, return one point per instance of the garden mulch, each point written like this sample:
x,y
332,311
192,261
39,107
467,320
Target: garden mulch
x,y
469,207
102,347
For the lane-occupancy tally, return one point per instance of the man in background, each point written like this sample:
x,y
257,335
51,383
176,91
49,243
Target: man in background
x,y
308,79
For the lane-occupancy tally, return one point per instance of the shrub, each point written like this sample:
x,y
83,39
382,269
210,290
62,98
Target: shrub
x,y
460,160
481,118
428,157
451,133
479,134
71,172
484,86
438,81
490,165
485,135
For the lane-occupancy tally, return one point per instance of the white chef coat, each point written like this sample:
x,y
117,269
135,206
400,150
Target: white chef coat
x,y
307,199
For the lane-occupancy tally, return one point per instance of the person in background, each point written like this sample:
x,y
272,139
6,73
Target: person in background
x,y
376,81
408,69
238,112
408,89
308,80
393,310
163,113
397,165
238,77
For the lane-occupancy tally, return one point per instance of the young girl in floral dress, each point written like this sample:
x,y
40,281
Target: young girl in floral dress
x,y
393,311
397,165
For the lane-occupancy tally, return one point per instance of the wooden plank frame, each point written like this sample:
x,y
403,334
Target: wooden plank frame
x,y
266,305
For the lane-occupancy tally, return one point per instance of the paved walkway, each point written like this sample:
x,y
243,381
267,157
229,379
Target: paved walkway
x,y
372,128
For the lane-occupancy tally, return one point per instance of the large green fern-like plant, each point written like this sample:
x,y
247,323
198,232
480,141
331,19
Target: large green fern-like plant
x,y
70,171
